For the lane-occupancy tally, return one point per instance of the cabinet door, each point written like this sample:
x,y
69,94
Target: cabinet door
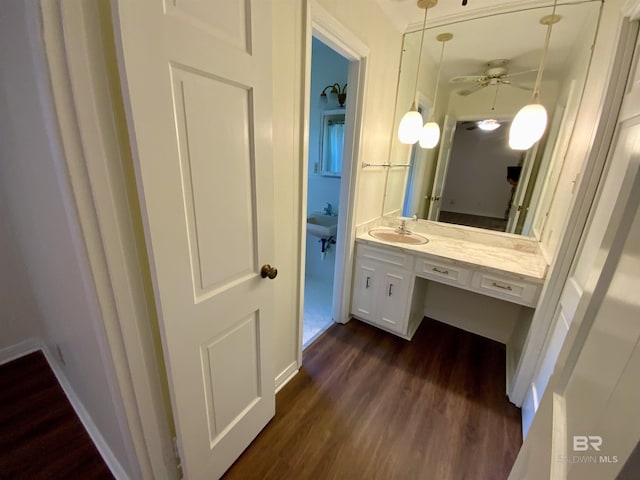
x,y
394,300
364,295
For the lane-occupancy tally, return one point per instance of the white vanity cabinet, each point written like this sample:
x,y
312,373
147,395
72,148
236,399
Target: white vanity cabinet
x,y
394,287
382,290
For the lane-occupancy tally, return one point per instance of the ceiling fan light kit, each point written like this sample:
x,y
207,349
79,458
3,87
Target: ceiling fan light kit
x,y
495,74
530,122
488,125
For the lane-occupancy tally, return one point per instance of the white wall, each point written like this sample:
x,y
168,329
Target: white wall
x,y
476,180
365,20
39,203
425,160
20,318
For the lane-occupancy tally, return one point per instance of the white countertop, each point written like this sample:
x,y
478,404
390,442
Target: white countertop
x,y
512,260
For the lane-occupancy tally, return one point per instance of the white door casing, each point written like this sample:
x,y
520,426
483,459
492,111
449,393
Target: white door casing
x,y
588,257
552,159
515,209
593,393
446,143
197,79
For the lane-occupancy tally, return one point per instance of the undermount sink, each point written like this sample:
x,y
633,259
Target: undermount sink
x,y
321,225
390,235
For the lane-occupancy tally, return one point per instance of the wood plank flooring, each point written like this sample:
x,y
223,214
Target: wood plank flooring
x,y
478,221
40,435
369,405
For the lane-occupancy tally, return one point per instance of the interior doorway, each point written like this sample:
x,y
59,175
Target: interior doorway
x,y
326,155
326,29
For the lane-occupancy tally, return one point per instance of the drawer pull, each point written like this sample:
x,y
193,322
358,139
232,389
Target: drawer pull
x,y
439,270
367,283
390,287
503,287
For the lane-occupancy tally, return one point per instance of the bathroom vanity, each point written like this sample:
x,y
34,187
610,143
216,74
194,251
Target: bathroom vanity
x,y
482,282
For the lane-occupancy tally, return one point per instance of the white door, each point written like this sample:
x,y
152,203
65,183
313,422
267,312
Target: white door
x,y
197,77
517,202
446,142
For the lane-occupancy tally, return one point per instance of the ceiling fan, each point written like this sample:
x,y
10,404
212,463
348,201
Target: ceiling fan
x,y
496,73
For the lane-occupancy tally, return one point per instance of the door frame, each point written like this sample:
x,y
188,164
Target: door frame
x,y
319,23
595,122
77,36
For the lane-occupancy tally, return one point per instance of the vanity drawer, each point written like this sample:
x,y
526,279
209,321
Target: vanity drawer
x,y
507,288
389,256
443,272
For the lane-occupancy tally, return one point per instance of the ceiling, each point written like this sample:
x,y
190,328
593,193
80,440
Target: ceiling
x,y
516,36
408,16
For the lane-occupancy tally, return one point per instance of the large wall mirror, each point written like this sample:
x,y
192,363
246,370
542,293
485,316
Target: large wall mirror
x,y
472,177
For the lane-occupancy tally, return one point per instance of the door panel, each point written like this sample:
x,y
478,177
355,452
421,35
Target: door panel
x,y
394,300
225,20
197,77
364,298
216,166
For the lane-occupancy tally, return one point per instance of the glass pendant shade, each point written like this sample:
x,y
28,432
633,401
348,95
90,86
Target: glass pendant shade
x,y
527,127
429,135
410,127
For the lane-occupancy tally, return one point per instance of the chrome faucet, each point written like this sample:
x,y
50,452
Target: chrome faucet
x,y
402,229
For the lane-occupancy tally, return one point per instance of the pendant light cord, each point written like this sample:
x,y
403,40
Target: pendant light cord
x,y
536,88
415,87
435,94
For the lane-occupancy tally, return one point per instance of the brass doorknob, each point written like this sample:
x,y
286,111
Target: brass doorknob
x,y
268,271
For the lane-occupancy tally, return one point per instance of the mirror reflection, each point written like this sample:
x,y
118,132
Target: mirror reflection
x,y
331,143
472,177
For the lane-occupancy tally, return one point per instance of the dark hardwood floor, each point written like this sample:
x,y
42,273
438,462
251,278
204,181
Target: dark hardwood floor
x,y
489,223
369,405
40,435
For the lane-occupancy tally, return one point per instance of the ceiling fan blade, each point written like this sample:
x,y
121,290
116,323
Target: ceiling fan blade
x,y
521,87
524,72
469,91
467,78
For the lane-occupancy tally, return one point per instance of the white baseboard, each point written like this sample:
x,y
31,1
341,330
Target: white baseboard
x,y
33,344
21,349
287,374
529,407
103,447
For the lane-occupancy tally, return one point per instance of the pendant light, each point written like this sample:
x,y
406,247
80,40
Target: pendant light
x,y
430,134
411,124
530,122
